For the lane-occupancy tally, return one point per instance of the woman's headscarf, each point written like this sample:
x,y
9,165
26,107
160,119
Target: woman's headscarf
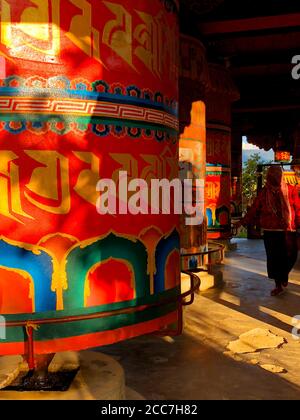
x,y
277,196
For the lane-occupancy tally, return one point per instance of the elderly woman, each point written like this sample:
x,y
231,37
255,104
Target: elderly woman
x,y
278,208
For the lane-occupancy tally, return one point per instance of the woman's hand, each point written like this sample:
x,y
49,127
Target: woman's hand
x,y
236,225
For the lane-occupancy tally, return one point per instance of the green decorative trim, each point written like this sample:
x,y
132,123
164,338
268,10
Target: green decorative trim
x,y
81,260
77,328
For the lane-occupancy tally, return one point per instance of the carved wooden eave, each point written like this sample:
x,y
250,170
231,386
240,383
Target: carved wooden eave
x,y
269,141
266,130
265,142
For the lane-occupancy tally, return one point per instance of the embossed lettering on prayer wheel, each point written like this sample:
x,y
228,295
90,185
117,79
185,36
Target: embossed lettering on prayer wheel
x,y
88,88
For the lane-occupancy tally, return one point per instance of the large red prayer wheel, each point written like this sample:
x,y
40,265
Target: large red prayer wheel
x,y
88,89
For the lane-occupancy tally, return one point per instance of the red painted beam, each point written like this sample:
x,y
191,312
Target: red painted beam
x,y
252,24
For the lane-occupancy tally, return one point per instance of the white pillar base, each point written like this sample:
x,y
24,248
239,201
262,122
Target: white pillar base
x,y
208,281
100,378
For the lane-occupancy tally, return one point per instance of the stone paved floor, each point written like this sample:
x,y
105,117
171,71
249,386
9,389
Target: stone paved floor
x,y
196,365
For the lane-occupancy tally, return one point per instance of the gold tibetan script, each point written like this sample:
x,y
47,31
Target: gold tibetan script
x,y
82,33
10,200
154,167
49,187
88,178
132,36
149,35
34,35
213,190
50,181
117,33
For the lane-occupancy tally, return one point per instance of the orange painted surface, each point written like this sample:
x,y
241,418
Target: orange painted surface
x,y
14,293
111,282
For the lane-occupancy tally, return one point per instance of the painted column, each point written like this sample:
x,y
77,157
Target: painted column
x,y
88,89
218,178
192,153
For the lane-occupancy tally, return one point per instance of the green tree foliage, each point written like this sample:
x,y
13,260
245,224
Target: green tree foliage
x,y
250,178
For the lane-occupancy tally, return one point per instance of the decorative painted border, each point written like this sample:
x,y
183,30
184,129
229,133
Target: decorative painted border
x,y
60,105
80,88
213,169
89,339
291,178
61,285
81,128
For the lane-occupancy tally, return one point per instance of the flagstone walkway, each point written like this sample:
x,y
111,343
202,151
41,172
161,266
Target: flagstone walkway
x,y
198,365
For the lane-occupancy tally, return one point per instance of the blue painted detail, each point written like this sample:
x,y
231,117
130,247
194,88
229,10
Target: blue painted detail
x,y
100,133
164,249
118,129
15,130
135,133
39,266
81,92
37,124
100,83
131,90
209,217
193,263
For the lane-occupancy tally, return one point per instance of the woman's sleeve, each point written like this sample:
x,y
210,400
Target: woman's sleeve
x,y
254,211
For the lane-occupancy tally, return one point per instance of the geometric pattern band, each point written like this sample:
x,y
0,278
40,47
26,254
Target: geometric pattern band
x,y
86,108
62,105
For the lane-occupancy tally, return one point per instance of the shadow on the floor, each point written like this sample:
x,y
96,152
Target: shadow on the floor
x,y
255,300
245,280
188,369
193,366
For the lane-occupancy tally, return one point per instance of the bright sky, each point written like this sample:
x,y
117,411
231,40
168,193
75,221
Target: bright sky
x,y
248,146
248,149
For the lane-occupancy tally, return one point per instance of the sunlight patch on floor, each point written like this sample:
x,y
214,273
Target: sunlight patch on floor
x,y
227,297
247,266
277,315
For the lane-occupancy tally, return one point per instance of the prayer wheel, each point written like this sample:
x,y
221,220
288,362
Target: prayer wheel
x,y
194,81
88,91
